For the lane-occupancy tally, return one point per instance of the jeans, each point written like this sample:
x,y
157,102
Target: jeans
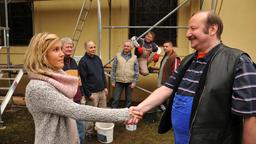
x,y
143,66
117,94
81,130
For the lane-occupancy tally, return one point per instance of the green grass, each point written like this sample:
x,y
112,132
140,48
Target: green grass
x,y
20,130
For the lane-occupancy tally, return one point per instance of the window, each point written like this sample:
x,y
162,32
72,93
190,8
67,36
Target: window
x,y
149,12
20,22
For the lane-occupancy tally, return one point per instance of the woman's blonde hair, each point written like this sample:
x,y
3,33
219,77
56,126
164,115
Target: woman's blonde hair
x,y
35,56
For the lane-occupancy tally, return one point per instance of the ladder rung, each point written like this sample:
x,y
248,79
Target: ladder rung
x,y
80,30
4,88
7,78
81,22
86,9
83,19
76,36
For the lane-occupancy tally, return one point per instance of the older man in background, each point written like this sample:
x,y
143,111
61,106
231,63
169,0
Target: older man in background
x,y
93,81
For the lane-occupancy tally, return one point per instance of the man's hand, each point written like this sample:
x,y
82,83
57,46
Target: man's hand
x,y
136,115
113,84
106,91
83,101
92,97
133,84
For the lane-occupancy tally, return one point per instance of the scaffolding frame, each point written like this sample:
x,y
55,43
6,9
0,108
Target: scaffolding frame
x,y
110,27
12,81
156,25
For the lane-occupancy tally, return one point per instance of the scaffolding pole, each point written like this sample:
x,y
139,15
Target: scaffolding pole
x,y
6,35
213,6
109,36
201,4
109,30
99,28
138,27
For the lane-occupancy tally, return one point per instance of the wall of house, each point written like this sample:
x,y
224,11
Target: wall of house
x,y
60,17
238,19
239,25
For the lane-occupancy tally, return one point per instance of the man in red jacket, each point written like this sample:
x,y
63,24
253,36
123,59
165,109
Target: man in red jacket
x,y
168,64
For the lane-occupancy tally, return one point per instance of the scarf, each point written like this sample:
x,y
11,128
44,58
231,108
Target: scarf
x,y
66,84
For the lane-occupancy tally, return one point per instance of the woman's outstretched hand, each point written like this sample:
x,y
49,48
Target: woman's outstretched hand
x,y
136,114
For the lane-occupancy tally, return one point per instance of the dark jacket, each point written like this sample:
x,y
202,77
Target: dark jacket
x,y
169,66
92,74
211,119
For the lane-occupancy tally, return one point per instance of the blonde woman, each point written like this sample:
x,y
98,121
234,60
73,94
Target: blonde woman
x,y
49,93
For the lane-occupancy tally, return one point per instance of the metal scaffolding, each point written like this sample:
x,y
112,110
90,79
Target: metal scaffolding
x,y
5,31
6,74
156,25
110,27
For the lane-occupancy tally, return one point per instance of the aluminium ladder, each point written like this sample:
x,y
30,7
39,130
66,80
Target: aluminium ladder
x,y
5,75
80,22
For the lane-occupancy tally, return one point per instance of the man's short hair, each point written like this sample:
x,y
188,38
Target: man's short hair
x,y
214,19
168,41
86,43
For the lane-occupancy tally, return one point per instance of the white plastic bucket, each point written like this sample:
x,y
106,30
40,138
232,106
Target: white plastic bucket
x,y
104,132
131,127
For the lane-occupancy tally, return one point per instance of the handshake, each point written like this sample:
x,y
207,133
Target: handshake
x,y
135,115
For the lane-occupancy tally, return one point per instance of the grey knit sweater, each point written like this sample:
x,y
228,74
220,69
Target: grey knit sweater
x,y
51,110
